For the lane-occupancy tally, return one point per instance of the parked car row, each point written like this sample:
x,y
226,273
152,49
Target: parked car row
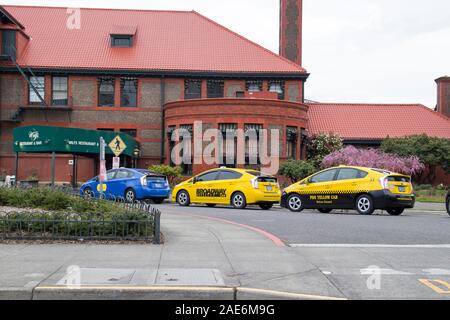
x,y
344,187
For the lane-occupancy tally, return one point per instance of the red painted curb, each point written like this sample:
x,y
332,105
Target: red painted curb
x,y
277,241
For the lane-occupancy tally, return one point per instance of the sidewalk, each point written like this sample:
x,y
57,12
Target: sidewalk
x,y
201,259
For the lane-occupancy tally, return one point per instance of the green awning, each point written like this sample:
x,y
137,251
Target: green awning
x,y
45,139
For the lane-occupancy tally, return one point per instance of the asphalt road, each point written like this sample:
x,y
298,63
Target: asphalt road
x,y
362,257
312,227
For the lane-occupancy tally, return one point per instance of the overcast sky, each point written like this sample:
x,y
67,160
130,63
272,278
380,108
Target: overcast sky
x,y
380,51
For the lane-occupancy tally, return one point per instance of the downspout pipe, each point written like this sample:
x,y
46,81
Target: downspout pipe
x,y
163,124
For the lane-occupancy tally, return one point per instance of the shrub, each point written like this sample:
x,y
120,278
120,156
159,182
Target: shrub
x,y
322,145
373,158
296,170
173,174
432,152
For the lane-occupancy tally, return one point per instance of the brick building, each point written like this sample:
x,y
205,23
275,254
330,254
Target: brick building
x,y
146,73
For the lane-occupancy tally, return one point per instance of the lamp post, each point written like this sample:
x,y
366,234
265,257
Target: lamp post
x,y
136,153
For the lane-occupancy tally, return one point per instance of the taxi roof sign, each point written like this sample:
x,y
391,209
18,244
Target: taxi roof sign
x,y
117,146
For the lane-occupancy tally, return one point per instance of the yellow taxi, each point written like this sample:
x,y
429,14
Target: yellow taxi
x,y
238,187
348,187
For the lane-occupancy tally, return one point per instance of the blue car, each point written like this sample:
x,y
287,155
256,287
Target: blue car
x,y
129,184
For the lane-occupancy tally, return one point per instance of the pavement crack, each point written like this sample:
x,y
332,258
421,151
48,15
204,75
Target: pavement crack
x,y
219,241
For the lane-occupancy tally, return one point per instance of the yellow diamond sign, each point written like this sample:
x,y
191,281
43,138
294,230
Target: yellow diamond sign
x,y
117,146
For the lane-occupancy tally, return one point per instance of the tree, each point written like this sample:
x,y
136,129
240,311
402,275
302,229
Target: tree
x,y
374,158
433,152
173,174
296,170
322,145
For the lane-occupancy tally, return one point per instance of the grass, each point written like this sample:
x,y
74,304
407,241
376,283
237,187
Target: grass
x,y
430,195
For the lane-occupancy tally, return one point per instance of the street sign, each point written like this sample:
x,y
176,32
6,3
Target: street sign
x,y
116,162
117,146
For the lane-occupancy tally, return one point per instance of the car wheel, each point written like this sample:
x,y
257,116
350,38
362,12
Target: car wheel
x,y
130,195
364,204
266,206
88,192
448,205
323,210
238,200
211,205
395,211
183,198
158,200
295,203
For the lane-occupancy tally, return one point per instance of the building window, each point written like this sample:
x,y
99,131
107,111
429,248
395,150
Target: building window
x,y
59,91
39,85
121,41
192,89
9,44
106,92
291,141
105,129
252,143
128,92
278,87
215,88
229,148
186,131
253,86
130,132
170,131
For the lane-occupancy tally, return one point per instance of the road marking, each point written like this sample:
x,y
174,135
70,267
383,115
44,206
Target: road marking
x,y
334,245
381,271
277,241
437,272
434,285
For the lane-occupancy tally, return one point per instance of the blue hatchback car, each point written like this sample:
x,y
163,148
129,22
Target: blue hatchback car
x,y
130,184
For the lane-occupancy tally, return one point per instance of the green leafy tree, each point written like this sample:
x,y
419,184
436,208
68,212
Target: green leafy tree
x,y
296,170
433,152
173,174
322,145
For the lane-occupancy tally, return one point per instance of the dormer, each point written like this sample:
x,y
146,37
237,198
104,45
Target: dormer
x,y
12,36
122,36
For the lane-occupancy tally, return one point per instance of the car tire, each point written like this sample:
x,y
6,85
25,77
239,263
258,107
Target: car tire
x,y
324,210
266,206
87,192
130,195
364,204
395,211
158,200
183,198
211,205
238,200
294,203
448,205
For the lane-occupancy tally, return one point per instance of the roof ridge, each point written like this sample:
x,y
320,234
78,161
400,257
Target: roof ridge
x,y
87,8
249,41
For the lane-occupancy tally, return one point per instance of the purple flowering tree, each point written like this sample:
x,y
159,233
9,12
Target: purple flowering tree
x,y
374,158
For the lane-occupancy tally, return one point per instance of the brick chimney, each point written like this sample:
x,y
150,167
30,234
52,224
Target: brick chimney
x,y
443,97
291,30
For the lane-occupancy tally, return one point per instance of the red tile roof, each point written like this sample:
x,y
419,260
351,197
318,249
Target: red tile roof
x,y
164,41
376,121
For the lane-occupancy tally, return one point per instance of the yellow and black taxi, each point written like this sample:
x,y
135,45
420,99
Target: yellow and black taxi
x,y
238,187
348,187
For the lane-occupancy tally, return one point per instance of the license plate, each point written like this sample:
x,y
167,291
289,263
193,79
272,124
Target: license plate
x,y
401,189
269,188
158,185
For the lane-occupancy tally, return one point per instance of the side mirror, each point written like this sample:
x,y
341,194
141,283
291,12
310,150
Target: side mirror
x,y
194,180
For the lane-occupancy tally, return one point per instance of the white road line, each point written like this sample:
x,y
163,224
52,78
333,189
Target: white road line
x,y
334,245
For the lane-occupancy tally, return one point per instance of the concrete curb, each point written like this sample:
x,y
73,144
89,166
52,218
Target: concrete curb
x,y
166,293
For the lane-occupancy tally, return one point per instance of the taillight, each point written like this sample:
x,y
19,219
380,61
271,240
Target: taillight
x,y
255,183
384,183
